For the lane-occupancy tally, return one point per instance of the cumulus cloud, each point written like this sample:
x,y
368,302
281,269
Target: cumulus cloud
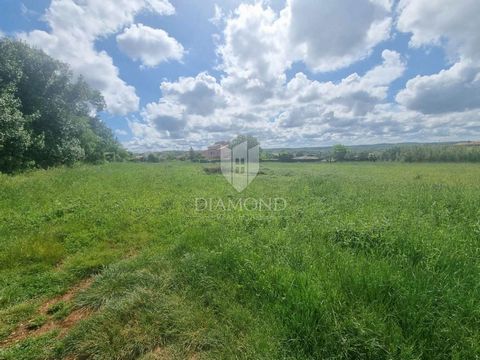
x,y
165,116
332,34
201,107
354,95
455,27
253,54
252,95
327,111
359,95
259,44
300,116
73,42
453,90
440,21
201,95
188,106
150,46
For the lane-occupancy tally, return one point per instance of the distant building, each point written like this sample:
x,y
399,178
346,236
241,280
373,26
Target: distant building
x,y
306,158
214,151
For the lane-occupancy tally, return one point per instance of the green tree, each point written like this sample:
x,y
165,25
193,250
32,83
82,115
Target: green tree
x,y
153,158
53,111
15,137
285,156
339,152
372,157
191,154
251,141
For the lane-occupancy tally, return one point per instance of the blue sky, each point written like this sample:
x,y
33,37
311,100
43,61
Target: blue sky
x,y
291,72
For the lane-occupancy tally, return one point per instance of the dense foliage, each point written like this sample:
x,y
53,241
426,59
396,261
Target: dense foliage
x,y
239,139
432,153
339,152
46,113
461,152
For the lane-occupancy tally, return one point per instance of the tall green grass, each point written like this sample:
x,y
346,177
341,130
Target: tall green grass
x,y
368,261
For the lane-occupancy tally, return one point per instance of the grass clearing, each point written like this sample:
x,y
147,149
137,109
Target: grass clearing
x,y
368,261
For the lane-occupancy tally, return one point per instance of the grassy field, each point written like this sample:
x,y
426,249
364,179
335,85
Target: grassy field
x,y
367,261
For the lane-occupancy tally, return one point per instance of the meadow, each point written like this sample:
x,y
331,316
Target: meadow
x,y
366,261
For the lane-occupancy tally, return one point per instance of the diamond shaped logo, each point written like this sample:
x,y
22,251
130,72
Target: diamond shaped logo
x,y
240,165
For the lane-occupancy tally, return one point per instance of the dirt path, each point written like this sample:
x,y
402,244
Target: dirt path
x,y
25,330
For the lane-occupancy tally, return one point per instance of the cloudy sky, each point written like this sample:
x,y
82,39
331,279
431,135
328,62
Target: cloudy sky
x,y
176,73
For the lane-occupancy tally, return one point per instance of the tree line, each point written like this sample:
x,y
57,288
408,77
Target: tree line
x,y
47,115
432,153
467,152
401,153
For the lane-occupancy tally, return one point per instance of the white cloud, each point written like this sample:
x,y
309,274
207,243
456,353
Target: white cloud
x,y
299,116
187,106
254,56
218,16
167,117
354,95
259,44
454,90
151,46
252,95
359,95
73,42
201,95
257,47
332,34
438,22
455,27
162,7
199,108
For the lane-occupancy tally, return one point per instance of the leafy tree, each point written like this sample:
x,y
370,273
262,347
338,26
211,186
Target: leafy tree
x,y
285,156
153,158
191,154
339,152
264,155
240,139
372,157
15,137
49,112
391,154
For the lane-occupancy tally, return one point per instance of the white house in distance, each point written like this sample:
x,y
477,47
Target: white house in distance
x,y
213,152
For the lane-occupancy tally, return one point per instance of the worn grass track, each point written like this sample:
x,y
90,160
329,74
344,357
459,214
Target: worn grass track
x,y
368,261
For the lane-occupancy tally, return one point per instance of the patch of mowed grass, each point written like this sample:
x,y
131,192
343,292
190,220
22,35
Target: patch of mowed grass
x,y
368,261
